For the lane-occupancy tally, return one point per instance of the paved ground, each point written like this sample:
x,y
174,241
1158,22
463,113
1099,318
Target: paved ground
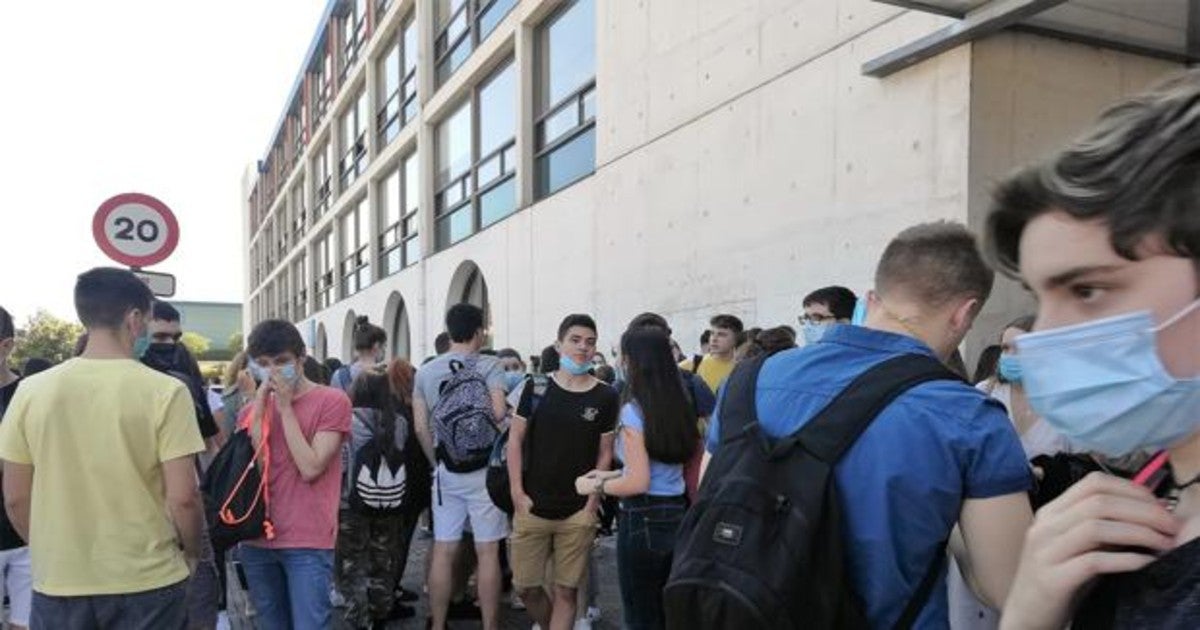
x,y
608,597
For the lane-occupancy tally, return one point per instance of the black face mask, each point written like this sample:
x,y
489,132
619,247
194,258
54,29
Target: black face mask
x,y
161,356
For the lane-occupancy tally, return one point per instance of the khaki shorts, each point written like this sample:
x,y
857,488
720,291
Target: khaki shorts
x,y
535,540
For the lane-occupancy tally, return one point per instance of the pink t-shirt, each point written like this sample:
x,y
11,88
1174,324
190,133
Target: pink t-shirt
x,y
305,514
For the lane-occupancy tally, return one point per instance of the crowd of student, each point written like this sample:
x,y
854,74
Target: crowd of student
x,y
859,480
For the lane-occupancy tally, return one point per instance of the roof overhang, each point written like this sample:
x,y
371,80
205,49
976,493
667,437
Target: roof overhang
x,y
1166,29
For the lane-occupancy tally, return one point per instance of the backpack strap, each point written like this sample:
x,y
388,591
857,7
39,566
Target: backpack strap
x,y
697,359
831,433
343,376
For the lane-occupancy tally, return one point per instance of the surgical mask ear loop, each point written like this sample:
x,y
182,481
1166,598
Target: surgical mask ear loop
x,y
1178,317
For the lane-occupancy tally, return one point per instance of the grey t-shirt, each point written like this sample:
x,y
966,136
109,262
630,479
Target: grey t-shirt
x,y
431,375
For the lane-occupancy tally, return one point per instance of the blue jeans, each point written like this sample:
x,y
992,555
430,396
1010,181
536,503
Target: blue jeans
x,y
646,535
159,609
289,587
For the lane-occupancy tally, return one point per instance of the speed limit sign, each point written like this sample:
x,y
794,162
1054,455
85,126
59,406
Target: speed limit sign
x,y
135,229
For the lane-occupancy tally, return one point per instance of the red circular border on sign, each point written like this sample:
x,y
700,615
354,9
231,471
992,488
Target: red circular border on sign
x,y
106,208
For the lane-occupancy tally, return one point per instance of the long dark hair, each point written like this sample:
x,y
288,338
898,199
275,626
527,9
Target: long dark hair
x,y
655,386
373,390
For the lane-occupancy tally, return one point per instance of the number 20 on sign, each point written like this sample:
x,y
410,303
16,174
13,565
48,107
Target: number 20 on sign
x,y
135,229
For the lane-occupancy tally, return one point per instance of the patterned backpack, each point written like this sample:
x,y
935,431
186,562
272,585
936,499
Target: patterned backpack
x,y
464,426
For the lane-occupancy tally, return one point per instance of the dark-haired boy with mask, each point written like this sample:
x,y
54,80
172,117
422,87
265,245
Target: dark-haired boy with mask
x,y
1106,234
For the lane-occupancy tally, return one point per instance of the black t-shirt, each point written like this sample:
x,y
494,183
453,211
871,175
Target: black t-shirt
x,y
562,443
9,539
1165,594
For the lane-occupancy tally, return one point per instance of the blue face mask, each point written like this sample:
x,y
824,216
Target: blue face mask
x,y
1010,369
813,332
289,374
1102,385
512,380
259,373
578,369
141,344
860,313
262,374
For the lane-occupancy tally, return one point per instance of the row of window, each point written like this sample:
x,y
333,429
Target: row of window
x,y
474,153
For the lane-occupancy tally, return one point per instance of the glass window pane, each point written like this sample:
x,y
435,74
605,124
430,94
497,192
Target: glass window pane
x,y
364,114
389,200
460,224
490,18
567,164
488,171
412,251
454,145
364,222
561,122
410,47
568,54
390,71
348,233
589,105
498,202
444,9
498,111
412,191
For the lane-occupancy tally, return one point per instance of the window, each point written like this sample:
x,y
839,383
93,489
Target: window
x,y
300,287
399,246
476,163
299,212
356,266
324,288
323,184
354,35
354,141
461,26
565,134
399,89
322,87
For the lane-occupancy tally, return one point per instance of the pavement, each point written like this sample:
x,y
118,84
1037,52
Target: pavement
x,y
608,597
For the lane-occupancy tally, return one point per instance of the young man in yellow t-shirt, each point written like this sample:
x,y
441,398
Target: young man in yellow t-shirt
x,y
99,474
724,338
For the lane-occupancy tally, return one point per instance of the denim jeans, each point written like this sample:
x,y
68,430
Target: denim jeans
x,y
289,587
646,533
159,609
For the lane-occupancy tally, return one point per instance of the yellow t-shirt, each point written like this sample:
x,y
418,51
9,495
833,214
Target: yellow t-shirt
x,y
713,371
96,432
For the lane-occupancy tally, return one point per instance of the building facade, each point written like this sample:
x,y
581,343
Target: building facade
x,y
544,157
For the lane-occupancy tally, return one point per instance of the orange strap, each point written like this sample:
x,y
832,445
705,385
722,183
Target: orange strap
x,y
261,452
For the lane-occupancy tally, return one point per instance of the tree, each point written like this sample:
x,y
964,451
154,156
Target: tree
x,y
196,343
236,343
47,337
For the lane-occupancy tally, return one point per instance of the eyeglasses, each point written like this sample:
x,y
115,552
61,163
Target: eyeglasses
x,y
164,337
816,318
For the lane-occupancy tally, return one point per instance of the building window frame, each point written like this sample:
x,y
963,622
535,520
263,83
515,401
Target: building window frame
x,y
467,27
581,102
354,161
399,245
323,289
354,37
355,266
323,183
401,105
472,185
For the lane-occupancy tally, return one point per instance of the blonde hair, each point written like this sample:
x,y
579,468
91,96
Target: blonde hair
x,y
234,368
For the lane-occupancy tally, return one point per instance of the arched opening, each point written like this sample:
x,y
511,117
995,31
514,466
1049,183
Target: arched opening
x,y
348,337
470,286
322,346
395,322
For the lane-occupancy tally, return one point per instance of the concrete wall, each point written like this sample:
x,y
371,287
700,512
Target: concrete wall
x,y
1030,95
742,161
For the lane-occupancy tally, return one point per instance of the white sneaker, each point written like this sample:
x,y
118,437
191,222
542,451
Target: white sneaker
x,y
516,603
592,614
223,621
583,624
535,627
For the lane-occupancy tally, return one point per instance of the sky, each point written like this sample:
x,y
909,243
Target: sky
x,y
172,99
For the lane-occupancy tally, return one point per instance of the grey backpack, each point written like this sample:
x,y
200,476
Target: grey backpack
x,y
464,427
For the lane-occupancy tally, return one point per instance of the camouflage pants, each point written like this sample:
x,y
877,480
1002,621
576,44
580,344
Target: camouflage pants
x,y
368,566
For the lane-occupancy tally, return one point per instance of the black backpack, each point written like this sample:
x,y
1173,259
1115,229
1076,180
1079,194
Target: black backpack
x,y
497,472
763,547
377,475
236,496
